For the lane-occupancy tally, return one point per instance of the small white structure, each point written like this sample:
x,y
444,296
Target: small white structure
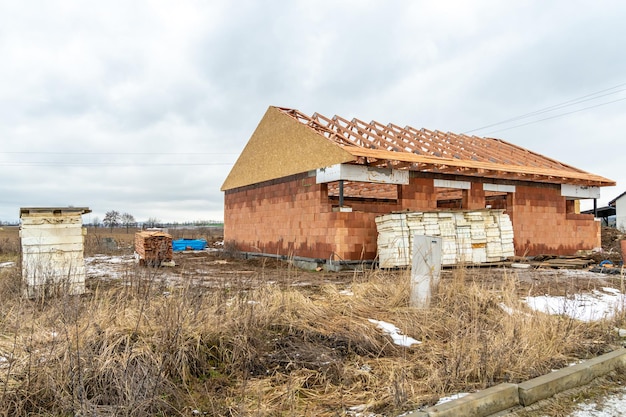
x,y
619,203
52,250
425,269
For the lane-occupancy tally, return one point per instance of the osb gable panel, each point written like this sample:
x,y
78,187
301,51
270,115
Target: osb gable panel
x,y
281,146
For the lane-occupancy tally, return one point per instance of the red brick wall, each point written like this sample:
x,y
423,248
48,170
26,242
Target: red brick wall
x,y
474,198
542,224
295,217
418,195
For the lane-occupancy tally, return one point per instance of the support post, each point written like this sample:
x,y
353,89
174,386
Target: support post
x,y
340,193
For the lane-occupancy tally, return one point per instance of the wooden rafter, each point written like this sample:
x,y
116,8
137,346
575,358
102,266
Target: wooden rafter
x,y
378,144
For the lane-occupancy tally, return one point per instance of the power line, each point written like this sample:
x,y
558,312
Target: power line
x,y
119,153
118,164
555,116
568,103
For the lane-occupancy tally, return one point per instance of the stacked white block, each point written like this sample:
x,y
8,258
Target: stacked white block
x,y
464,244
393,240
52,241
476,236
506,234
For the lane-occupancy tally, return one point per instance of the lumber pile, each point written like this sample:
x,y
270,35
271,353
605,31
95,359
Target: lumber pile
x,y
562,262
153,247
468,236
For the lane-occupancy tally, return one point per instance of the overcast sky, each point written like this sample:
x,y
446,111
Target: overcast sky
x,y
143,106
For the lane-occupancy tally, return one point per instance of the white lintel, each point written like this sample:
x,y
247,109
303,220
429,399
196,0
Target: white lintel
x,y
463,185
579,191
361,173
500,188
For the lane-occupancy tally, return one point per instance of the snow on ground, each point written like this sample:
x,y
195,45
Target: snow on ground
x,y
397,336
611,406
444,400
6,264
592,306
109,267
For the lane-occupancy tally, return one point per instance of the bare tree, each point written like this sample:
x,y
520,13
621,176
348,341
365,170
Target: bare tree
x,y
152,222
111,219
128,220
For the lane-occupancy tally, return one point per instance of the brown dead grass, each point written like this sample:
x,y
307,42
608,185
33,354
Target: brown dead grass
x,y
138,347
272,350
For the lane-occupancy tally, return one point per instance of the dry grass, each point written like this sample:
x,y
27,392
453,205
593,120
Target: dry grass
x,y
138,347
142,349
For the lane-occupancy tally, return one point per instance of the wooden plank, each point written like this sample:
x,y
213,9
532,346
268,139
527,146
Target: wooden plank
x,y
589,179
153,247
573,263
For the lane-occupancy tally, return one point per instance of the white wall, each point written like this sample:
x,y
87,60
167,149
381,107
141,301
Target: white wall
x,y
620,208
52,252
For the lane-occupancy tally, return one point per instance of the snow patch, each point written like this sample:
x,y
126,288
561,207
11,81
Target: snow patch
x,y
592,306
395,333
452,397
612,406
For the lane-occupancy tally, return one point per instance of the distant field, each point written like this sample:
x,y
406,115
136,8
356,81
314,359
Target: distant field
x,y
97,239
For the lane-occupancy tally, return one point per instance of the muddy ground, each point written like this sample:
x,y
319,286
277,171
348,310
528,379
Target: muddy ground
x,y
212,269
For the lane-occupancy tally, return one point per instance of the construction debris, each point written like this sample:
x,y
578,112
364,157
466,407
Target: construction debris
x,y
565,262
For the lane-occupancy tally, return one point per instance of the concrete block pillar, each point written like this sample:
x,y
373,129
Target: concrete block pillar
x,y
474,198
425,269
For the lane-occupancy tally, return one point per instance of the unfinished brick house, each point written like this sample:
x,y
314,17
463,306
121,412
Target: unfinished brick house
x,y
312,186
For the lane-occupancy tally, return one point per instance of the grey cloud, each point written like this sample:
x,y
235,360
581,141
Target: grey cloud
x,y
137,84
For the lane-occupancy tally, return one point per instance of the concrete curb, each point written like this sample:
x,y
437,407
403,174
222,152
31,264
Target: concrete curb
x,y
504,396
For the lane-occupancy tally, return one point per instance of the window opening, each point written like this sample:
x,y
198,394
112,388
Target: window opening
x,y
362,190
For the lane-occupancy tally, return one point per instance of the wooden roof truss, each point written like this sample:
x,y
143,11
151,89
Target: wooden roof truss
x,y
392,146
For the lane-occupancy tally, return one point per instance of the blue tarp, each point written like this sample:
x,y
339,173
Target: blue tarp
x,y
188,244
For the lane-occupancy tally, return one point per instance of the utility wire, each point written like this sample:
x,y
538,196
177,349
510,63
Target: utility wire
x,y
118,153
555,116
117,164
549,109
568,103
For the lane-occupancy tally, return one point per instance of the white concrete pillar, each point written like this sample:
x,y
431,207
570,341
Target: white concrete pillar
x,y
425,269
